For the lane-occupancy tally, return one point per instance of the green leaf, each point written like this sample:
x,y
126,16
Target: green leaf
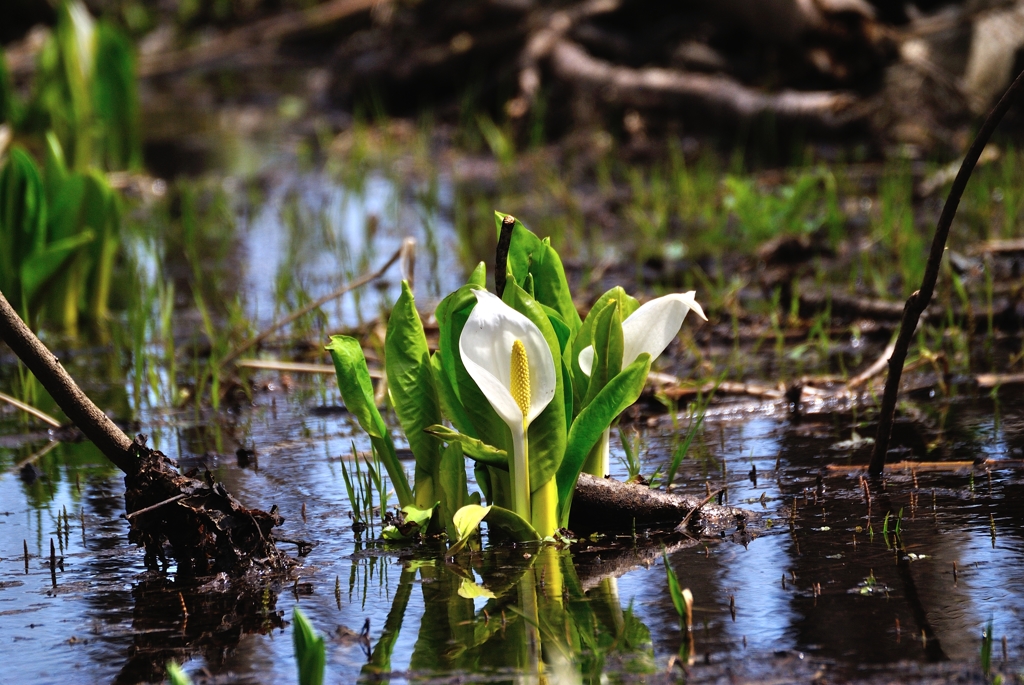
x,y
451,406
310,653
468,518
608,347
479,276
475,449
547,433
585,337
40,267
10,104
175,674
511,524
674,591
357,393
411,383
451,316
586,430
528,254
467,521
453,487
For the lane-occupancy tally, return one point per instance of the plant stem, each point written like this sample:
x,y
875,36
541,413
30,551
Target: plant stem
x,y
520,468
918,302
544,516
598,462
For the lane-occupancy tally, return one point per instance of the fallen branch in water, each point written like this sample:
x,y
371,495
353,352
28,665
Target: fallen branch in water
x,y
918,302
207,530
603,504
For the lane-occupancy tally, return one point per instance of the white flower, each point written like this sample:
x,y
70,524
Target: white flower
x,y
650,328
508,357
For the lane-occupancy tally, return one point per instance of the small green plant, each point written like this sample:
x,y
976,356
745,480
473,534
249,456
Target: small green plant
x,y
530,388
310,653
986,651
682,598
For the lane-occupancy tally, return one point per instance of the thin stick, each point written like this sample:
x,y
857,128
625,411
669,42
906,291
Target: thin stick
x,y
29,409
919,300
686,519
351,285
96,425
169,500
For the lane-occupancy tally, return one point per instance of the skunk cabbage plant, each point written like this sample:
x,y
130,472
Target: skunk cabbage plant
x,y
519,384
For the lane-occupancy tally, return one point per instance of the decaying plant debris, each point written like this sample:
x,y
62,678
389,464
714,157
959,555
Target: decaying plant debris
x,y
206,528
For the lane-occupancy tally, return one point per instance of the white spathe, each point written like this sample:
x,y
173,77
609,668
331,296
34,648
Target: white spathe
x,y
486,349
650,328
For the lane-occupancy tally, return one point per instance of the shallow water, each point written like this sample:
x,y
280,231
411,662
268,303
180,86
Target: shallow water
x,y
108,619
815,584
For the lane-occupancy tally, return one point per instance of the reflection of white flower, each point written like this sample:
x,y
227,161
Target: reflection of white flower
x,y
650,328
508,357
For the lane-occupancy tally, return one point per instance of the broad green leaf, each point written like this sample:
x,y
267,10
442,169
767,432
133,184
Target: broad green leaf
x,y
547,434
451,406
473,448
469,517
528,254
608,345
357,393
617,395
467,521
562,332
101,213
411,384
310,653
453,487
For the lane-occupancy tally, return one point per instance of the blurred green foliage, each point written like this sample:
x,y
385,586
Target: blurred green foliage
x,y
59,236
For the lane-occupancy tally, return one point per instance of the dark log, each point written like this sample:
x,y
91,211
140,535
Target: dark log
x,y
655,86
603,504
